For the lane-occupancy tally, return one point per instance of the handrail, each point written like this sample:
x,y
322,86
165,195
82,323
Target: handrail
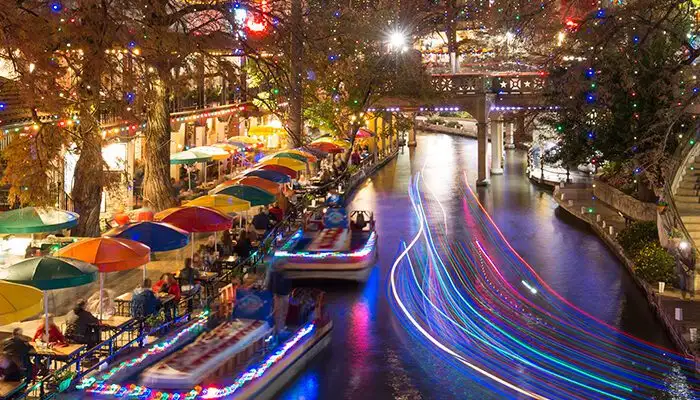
x,y
672,216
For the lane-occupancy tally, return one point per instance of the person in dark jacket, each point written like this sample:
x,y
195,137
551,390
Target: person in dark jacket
x,y
82,327
243,246
17,348
144,302
188,275
261,221
276,213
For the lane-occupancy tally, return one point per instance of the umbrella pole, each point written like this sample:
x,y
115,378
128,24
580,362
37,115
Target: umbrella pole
x,y
192,246
46,315
144,272
205,171
102,285
189,177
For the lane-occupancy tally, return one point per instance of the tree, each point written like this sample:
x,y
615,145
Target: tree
x,y
624,85
173,40
59,56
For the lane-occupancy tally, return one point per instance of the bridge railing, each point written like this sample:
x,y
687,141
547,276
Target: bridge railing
x,y
501,83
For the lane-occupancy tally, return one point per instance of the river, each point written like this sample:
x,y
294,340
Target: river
x,y
373,357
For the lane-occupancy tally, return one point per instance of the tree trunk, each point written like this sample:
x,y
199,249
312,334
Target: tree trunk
x,y
157,190
296,124
88,179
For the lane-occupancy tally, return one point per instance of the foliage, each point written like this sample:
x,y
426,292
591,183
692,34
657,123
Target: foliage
x,y
653,264
619,175
638,235
628,100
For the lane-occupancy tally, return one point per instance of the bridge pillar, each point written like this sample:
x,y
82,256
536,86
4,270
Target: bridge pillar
x,y
496,147
482,139
510,143
412,133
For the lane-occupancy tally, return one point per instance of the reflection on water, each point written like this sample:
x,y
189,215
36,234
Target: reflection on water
x,y
372,357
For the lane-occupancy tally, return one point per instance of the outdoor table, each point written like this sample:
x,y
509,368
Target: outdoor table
x,y
207,279
229,262
8,389
123,302
114,323
56,353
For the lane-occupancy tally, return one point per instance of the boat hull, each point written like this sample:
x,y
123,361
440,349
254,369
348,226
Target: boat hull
x,y
289,367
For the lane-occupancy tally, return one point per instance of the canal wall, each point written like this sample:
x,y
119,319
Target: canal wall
x,y
624,203
569,199
423,125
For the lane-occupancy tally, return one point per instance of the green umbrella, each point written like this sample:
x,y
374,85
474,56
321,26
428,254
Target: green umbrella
x,y
189,157
36,219
292,155
49,273
255,196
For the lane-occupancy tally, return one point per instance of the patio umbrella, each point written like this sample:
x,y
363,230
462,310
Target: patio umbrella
x,y
264,184
36,219
158,236
274,176
231,148
288,155
364,133
265,130
309,156
18,302
108,254
279,168
286,162
327,147
221,202
252,194
188,157
49,273
216,153
327,139
195,219
243,139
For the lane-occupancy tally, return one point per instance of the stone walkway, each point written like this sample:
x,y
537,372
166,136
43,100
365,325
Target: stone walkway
x,y
580,202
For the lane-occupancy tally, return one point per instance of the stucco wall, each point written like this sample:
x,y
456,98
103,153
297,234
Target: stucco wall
x,y
627,205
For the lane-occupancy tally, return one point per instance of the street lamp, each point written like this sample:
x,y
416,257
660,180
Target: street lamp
x,y
397,41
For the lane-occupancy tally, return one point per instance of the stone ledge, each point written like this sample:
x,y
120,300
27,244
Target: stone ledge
x,y
624,203
653,299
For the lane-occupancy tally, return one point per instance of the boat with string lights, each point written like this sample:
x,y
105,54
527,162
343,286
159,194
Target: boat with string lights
x,y
330,245
238,358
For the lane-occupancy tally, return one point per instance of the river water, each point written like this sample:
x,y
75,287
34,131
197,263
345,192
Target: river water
x,y
373,357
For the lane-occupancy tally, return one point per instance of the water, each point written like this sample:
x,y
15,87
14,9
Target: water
x,y
371,355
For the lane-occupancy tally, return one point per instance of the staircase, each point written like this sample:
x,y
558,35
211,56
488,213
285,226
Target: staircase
x,y
687,198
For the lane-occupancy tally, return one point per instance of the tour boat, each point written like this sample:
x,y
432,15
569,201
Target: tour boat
x,y
235,360
333,252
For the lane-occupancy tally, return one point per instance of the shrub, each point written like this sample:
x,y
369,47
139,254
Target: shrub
x,y
453,124
634,237
653,264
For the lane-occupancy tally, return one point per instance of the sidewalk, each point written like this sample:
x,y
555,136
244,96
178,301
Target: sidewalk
x,y
579,201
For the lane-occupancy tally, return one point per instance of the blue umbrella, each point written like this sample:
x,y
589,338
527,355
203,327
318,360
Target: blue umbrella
x,y
159,236
273,176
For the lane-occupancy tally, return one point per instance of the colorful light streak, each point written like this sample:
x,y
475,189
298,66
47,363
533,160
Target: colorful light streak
x,y
473,300
101,388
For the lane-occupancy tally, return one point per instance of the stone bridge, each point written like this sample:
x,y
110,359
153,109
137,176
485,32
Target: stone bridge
x,y
497,101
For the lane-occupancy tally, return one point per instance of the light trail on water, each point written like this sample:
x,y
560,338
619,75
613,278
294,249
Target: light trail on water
x,y
475,301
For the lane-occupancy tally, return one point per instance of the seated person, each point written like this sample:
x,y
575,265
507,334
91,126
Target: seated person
x,y
144,302
243,246
261,221
82,326
17,348
251,233
168,284
55,335
9,370
360,222
188,274
276,213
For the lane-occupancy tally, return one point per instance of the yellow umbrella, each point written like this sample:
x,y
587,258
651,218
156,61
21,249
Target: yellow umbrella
x,y
216,153
221,202
265,130
243,139
290,163
18,302
226,147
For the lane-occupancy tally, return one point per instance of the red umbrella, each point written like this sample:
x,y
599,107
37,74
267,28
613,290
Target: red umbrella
x,y
364,133
280,168
195,219
327,147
